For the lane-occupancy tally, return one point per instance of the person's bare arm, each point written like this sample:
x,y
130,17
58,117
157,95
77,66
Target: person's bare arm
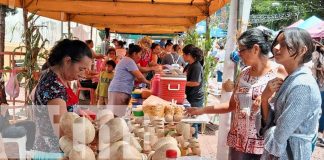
x,y
154,60
156,68
54,103
140,77
95,55
216,109
192,84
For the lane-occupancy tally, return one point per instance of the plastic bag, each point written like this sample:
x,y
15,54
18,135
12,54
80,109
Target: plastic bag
x,y
12,87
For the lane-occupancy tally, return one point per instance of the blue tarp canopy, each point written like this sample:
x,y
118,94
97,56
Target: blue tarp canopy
x,y
310,22
214,31
313,25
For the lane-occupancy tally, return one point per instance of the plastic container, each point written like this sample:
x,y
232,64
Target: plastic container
x,y
173,88
171,154
156,84
136,95
137,102
138,113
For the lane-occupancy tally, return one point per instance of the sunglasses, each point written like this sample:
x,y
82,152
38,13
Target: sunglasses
x,y
242,50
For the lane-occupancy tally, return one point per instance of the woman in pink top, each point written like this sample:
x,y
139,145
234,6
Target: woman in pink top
x,y
254,46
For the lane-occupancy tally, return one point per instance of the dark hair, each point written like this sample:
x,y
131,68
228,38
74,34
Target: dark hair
x,y
256,36
75,49
194,51
121,43
110,50
112,63
318,60
154,45
187,49
176,47
88,41
115,40
133,48
296,39
168,44
221,46
45,66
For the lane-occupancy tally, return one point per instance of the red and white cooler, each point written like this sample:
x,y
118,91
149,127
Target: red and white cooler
x,y
173,88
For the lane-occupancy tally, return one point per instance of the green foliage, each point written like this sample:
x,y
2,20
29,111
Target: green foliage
x,y
301,10
102,34
67,36
10,11
34,47
7,68
205,43
209,67
191,37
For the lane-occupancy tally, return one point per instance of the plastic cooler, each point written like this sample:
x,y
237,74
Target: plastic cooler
x,y
173,88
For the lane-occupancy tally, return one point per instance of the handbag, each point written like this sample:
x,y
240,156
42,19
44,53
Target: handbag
x,y
12,87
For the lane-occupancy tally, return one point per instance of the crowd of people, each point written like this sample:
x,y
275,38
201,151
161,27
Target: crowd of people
x,y
269,93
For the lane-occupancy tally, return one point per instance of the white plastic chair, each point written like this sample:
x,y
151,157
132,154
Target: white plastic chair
x,y
21,145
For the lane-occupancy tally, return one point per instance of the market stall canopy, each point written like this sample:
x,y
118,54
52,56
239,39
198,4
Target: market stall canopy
x,y
125,16
296,23
310,22
314,25
215,32
317,31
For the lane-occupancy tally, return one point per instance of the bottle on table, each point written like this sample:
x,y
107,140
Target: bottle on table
x,y
155,84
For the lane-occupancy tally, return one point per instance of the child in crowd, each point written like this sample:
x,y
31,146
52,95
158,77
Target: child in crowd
x,y
106,76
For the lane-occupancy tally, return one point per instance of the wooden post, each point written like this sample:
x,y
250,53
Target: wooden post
x,y
62,33
206,64
27,45
69,26
2,34
207,33
91,32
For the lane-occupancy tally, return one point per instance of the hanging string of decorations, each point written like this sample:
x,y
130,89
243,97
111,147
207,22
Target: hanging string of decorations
x,y
263,18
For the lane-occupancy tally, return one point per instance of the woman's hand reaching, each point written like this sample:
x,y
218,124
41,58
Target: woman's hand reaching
x,y
194,111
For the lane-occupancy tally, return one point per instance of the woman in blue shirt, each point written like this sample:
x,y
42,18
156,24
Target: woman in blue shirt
x,y
120,89
289,122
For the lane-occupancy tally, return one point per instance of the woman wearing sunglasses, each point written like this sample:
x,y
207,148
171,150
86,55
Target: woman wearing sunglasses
x,y
244,143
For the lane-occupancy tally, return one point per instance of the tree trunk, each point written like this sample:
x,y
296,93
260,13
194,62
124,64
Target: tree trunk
x,y
2,46
2,33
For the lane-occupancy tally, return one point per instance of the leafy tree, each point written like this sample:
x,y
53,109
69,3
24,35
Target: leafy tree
x,y
4,11
281,13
